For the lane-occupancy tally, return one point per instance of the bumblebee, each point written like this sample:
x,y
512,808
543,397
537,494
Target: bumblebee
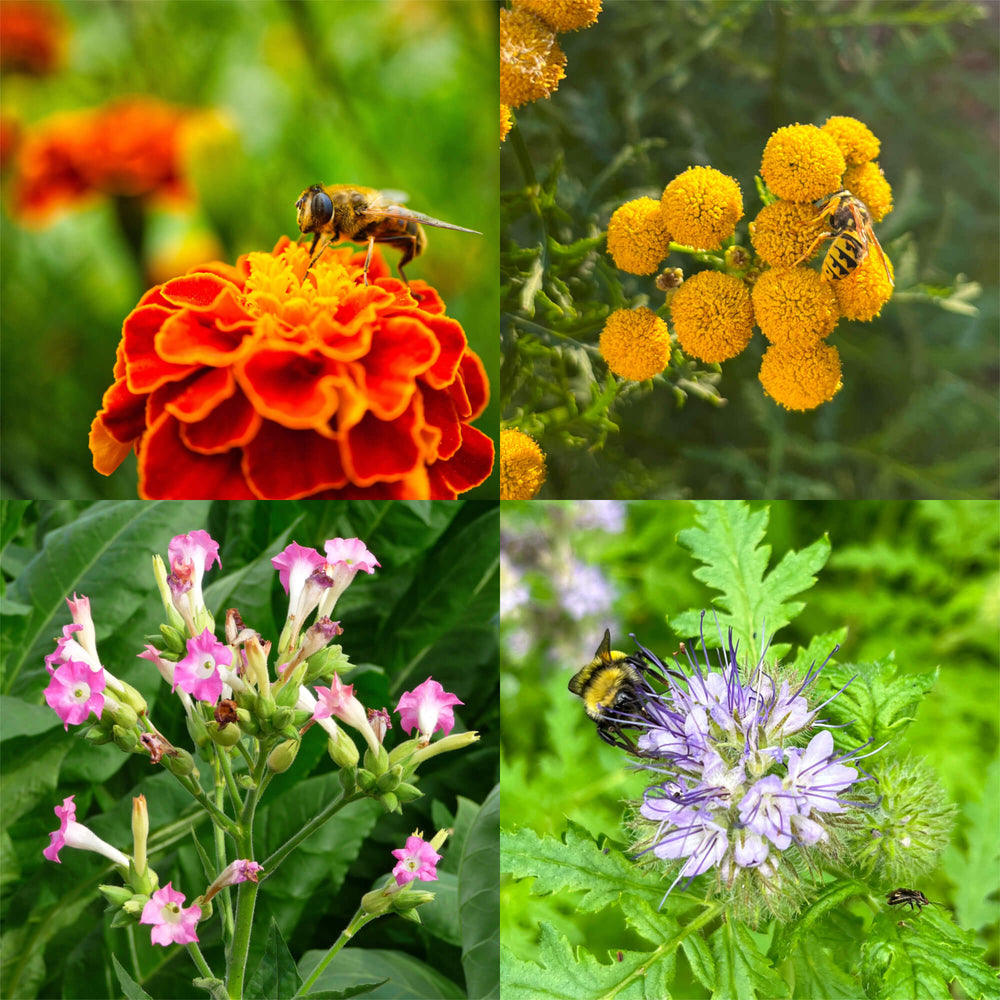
x,y
847,221
339,212
611,687
911,897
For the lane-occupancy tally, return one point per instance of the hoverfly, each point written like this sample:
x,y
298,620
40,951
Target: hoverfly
x,y
849,225
338,212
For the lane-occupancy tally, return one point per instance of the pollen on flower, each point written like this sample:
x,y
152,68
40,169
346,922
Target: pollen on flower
x,y
861,295
522,465
802,163
794,305
801,376
701,207
505,121
638,239
562,15
782,232
854,139
868,183
713,316
635,343
531,61
261,380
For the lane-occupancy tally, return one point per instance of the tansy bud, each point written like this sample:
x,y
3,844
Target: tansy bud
x,y
342,750
125,739
283,756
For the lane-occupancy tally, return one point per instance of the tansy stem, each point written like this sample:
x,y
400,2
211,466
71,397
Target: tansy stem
x,y
308,830
357,922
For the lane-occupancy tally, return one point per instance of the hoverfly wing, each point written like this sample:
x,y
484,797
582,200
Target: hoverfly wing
x,y
407,215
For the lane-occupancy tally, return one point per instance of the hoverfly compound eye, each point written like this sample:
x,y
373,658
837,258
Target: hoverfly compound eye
x,y
320,208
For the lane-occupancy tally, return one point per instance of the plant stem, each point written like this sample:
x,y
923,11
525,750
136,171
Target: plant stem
x,y
357,922
219,766
227,770
310,828
199,960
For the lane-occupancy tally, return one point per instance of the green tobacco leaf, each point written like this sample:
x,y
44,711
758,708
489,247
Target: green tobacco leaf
x,y
275,976
560,975
743,971
877,703
408,978
478,900
353,991
920,956
20,718
31,773
575,862
131,989
728,541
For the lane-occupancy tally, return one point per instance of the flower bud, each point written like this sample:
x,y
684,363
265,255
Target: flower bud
x,y
283,756
116,895
132,697
409,900
264,706
197,730
180,762
403,751
135,905
174,640
390,803
289,693
125,739
324,664
97,735
455,741
122,714
377,763
256,673
378,901
173,617
366,781
140,833
247,723
282,716
342,750
224,736
407,793
389,781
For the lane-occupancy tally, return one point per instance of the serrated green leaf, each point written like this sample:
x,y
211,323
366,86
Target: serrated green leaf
x,y
818,976
743,971
728,542
700,958
832,897
131,989
394,974
478,901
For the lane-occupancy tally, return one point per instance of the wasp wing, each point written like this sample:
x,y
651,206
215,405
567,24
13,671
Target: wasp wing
x,y
407,215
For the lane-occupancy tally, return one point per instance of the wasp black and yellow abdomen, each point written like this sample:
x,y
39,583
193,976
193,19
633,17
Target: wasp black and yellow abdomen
x,y
846,253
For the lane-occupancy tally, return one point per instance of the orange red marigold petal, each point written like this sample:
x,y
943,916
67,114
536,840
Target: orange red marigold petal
x,y
476,384
201,393
188,337
470,466
145,368
451,337
376,449
403,349
289,464
233,424
293,385
108,451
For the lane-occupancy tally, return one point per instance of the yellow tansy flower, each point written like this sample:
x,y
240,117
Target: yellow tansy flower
x,y
531,61
635,343
783,231
522,466
802,163
505,121
801,377
713,317
562,15
794,305
868,183
861,295
855,139
637,237
701,207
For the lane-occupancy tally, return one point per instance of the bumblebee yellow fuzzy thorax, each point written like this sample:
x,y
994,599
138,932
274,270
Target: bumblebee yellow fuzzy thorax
x,y
609,677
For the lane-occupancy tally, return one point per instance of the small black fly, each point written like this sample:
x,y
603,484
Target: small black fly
x,y
911,897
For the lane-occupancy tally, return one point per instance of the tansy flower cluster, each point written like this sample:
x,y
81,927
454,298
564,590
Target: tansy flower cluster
x,y
522,465
262,380
129,147
234,701
531,61
714,312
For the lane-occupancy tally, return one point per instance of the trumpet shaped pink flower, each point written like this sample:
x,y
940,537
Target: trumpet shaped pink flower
x,y
426,708
338,699
417,860
198,673
345,558
73,834
172,923
74,692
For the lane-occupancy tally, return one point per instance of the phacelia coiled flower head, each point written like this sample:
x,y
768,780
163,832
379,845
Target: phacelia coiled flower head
x,y
262,380
740,780
635,343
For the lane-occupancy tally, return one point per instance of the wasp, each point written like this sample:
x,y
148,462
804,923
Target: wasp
x,y
848,223
348,212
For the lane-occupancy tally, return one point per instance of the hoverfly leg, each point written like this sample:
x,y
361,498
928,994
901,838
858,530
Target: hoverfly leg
x,y
368,257
314,254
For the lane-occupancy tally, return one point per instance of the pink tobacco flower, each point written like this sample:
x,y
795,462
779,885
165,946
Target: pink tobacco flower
x,y
338,699
172,923
79,608
199,672
191,556
295,565
417,860
345,557
73,834
238,871
74,692
426,708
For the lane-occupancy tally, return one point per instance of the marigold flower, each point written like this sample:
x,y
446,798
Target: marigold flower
x,y
802,163
854,139
172,923
637,238
782,231
701,207
418,860
522,465
32,37
261,380
128,147
713,316
861,295
794,305
868,183
531,61
562,15
801,376
635,343
426,708
505,121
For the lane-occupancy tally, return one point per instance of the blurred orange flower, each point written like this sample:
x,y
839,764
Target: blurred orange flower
x,y
32,37
261,380
127,147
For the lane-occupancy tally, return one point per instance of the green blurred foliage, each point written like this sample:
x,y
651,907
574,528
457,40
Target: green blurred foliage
x,y
917,579
653,88
398,95
430,610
